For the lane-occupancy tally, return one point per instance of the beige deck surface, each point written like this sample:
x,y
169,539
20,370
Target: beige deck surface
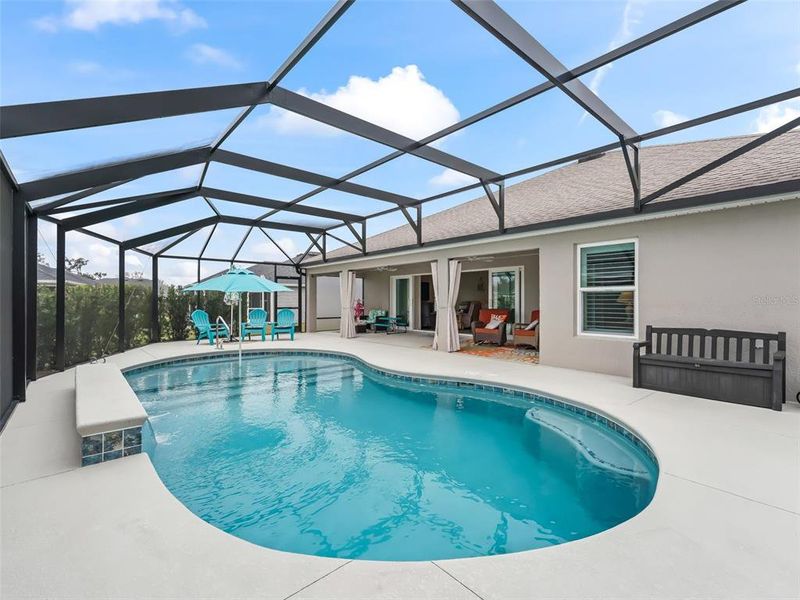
x,y
725,521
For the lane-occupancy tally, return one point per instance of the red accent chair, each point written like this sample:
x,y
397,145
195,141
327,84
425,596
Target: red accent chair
x,y
481,334
527,337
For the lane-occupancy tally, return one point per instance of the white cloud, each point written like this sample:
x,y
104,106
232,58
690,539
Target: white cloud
x,y
189,174
632,15
89,68
450,178
102,257
667,118
85,67
132,261
89,15
401,101
203,54
776,115
108,230
267,252
184,272
131,220
47,23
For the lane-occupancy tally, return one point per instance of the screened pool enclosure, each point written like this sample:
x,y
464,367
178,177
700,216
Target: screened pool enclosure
x,y
331,212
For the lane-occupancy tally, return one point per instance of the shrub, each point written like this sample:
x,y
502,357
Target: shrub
x,y
92,313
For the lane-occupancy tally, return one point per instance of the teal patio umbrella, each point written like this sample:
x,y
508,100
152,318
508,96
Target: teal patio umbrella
x,y
237,280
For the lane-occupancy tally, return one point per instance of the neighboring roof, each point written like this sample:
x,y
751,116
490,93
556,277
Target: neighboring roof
x,y
268,271
46,275
128,281
602,185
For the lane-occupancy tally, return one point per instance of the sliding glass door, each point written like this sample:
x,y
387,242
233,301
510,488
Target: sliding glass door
x,y
401,300
504,291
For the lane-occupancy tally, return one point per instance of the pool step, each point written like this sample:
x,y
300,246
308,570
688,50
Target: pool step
x,y
585,440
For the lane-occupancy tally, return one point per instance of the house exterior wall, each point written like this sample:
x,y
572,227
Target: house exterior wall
x,y
732,268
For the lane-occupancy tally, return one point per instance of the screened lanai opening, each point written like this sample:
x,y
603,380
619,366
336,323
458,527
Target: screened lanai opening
x,y
347,140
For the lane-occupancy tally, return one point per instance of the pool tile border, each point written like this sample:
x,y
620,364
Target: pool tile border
x,y
525,395
110,445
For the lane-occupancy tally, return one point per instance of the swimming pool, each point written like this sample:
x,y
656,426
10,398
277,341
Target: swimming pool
x,y
324,455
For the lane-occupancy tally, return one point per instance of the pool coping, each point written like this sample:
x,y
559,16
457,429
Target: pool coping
x,y
700,555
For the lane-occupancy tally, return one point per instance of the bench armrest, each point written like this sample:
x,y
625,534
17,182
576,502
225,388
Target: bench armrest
x,y
639,345
779,356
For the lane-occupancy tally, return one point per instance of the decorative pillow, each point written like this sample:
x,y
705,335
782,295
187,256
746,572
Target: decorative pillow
x,y
495,321
532,325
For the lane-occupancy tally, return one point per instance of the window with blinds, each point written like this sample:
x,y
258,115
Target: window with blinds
x,y
607,302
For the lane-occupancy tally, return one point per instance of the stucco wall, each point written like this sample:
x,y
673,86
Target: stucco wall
x,y
474,287
731,268
6,269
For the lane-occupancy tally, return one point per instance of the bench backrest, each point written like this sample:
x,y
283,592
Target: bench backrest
x,y
717,344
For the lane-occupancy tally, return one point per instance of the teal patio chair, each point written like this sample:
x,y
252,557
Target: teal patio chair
x,y
398,324
256,323
373,316
206,329
284,323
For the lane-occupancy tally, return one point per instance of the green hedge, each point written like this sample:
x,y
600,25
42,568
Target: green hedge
x,y
91,319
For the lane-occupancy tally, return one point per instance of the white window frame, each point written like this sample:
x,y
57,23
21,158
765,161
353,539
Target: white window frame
x,y
393,297
614,288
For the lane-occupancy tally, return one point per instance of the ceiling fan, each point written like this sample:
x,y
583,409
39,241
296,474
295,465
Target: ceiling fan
x,y
479,259
386,269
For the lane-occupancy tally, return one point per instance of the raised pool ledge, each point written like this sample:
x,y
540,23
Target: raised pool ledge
x,y
108,414
519,396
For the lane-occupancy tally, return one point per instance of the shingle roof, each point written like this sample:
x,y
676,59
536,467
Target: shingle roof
x,y
283,270
46,275
602,184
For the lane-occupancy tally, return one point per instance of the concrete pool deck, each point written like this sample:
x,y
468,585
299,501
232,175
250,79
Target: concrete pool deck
x,y
724,523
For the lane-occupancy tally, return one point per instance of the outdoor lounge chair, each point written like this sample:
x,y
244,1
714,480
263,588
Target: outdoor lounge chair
x,y
284,323
391,324
480,333
372,317
256,323
527,337
206,329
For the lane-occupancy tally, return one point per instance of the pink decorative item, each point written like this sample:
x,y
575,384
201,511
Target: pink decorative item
x,y
359,309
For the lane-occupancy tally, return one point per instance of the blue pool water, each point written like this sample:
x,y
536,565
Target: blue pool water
x,y
325,456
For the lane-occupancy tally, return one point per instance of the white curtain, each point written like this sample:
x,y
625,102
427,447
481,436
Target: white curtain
x,y
437,293
347,286
452,342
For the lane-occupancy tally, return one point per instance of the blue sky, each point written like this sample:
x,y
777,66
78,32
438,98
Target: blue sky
x,y
414,67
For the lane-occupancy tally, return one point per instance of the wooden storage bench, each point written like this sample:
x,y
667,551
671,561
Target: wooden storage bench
x,y
733,366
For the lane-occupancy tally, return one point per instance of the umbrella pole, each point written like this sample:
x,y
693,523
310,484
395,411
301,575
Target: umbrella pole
x,y
240,331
